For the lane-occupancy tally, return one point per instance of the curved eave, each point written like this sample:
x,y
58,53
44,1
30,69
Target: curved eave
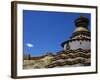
x,y
62,44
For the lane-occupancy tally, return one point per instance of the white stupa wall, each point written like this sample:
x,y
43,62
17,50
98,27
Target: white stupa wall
x,y
79,44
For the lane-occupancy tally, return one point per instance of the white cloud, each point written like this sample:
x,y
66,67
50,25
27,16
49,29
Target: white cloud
x,y
29,45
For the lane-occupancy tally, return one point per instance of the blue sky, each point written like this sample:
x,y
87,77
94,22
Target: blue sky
x,y
44,31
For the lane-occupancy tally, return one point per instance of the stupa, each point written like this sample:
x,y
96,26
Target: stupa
x,y
80,37
77,50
